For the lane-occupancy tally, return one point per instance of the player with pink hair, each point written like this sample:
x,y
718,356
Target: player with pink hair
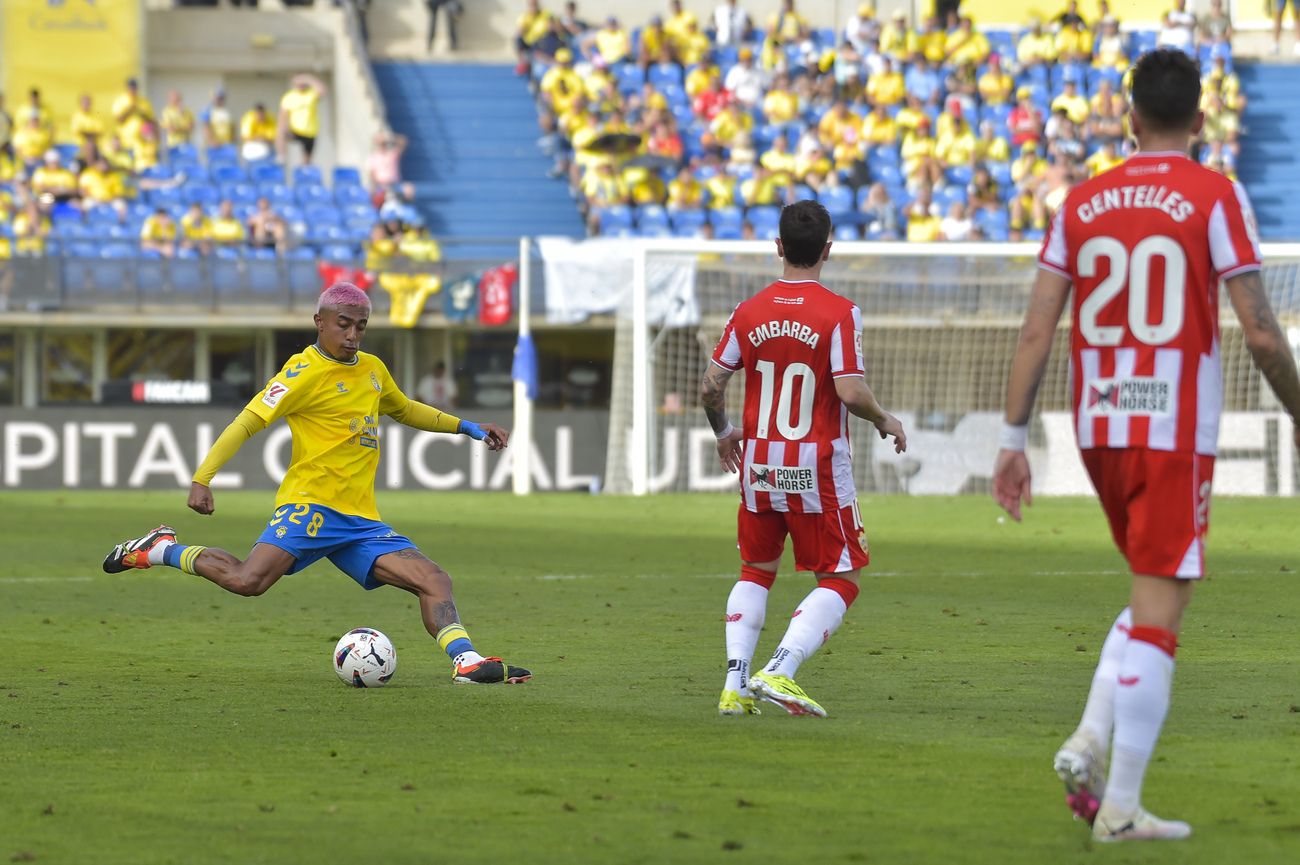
x,y
332,395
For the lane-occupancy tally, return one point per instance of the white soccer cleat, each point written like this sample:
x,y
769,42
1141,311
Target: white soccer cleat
x,y
1081,765
1137,826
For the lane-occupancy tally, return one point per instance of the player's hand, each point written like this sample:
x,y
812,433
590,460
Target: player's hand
x,y
497,437
892,426
1011,482
731,450
201,499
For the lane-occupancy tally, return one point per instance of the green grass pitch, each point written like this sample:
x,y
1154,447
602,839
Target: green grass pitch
x,y
153,718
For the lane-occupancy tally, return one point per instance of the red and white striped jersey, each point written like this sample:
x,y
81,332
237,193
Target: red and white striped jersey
x,y
793,339
1145,245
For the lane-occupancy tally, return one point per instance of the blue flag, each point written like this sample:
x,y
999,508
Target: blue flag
x,y
524,368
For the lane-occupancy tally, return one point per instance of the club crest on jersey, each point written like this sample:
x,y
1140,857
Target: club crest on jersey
x,y
783,479
1129,396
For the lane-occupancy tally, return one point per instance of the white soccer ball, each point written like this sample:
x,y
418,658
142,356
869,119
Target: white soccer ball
x,y
365,658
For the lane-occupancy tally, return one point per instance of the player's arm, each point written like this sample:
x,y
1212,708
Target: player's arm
x,y
1265,341
246,425
713,396
426,417
857,397
1011,472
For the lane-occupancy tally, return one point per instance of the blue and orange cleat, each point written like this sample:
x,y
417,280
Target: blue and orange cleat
x,y
490,671
135,553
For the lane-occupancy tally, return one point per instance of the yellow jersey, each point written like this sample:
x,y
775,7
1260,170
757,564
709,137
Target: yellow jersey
x,y
301,106
333,410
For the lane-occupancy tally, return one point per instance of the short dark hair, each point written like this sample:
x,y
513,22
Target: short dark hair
x,y
805,228
1166,90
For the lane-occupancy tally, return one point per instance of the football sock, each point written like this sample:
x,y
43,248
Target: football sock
x,y
818,616
454,640
746,610
158,550
1141,702
1099,712
180,556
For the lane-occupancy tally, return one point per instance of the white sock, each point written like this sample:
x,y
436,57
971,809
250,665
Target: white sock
x,y
746,610
467,659
1141,702
818,616
156,553
1099,712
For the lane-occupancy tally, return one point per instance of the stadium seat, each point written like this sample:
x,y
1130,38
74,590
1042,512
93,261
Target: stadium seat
x,y
339,252
959,174
224,154
320,215
200,193
346,176
727,222
651,216
687,221
239,193
1140,42
157,172
847,231
664,73
67,152
309,193
763,217
229,173
308,175
267,172
949,195
276,193
349,194
630,78
1001,173
890,175
359,211
165,197
837,201
615,217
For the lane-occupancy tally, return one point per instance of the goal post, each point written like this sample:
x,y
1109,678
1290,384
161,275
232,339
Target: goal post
x,y
940,324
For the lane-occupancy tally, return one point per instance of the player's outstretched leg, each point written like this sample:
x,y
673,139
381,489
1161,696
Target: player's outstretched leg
x,y
250,577
746,610
1081,761
411,570
819,615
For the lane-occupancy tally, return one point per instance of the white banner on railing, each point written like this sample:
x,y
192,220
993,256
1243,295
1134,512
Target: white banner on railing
x,y
591,277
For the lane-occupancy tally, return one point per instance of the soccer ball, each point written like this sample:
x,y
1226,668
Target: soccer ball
x,y
365,658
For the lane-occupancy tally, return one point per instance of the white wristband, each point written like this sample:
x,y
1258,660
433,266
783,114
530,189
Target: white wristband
x,y
1013,438
726,432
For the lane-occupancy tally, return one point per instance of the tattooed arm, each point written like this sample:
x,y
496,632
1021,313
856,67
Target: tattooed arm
x,y
713,396
1266,342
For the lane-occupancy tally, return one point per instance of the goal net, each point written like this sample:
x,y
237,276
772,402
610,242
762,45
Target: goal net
x,y
940,324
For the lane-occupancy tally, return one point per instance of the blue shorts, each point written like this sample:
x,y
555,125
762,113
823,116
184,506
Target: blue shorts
x,y
313,532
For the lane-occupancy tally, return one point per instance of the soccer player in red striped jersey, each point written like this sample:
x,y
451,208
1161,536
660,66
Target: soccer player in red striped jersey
x,y
800,345
1144,246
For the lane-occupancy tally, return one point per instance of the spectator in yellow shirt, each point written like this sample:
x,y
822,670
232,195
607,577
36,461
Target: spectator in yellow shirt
x,y
562,86
53,179
879,128
991,147
722,191
956,145
225,228
612,42
685,192
30,227
1036,46
811,167
1104,159
886,86
196,230
256,134
784,26
781,104
603,188
30,142
300,112
218,122
966,44
894,38
830,129
920,166
679,20
730,123
99,183
1226,84
931,41
653,40
762,189
644,186
158,234
692,44
779,160
85,123
1074,43
529,29
145,152
699,79
995,85
909,117
130,110
1108,46
923,218
34,109
1075,105
177,120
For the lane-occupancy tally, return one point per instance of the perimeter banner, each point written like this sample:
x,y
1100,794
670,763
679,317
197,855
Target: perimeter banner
x,y
67,48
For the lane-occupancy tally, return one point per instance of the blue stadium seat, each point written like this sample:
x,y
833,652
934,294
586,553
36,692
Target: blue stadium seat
x,y
200,193
630,77
67,152
949,195
229,173
260,253
665,73
321,215
683,114
847,231
1038,74
651,216
688,221
225,154
1140,42
997,115
239,193
890,175
309,193
1001,173
183,153
349,194
227,252
959,174
339,252
165,197
345,175
359,211
277,193
307,174
157,172
290,212
763,217
838,202
727,222
267,172
617,216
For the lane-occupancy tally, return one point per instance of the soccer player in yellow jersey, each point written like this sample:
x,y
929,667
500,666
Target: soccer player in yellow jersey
x,y
332,395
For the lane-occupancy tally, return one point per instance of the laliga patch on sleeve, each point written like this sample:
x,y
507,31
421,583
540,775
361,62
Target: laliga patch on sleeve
x,y
275,392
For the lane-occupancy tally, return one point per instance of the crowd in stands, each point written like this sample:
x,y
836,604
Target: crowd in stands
x,y
176,183
927,130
